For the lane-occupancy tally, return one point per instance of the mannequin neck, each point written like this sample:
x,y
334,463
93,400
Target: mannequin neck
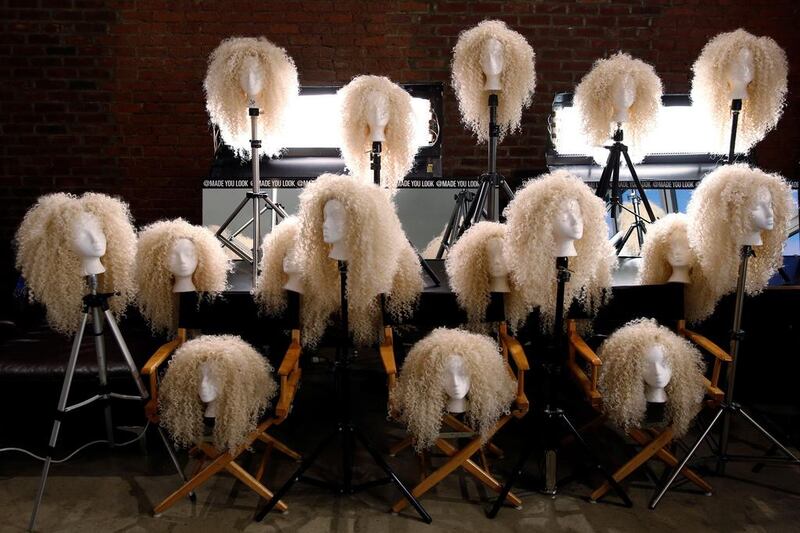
x,y
680,274
654,394
294,283
92,265
565,248
211,409
183,284
753,239
339,251
457,405
499,284
492,82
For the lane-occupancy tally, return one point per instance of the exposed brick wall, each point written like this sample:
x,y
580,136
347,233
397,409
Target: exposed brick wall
x,y
108,95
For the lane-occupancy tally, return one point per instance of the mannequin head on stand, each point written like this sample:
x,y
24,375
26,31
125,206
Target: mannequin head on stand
x,y
281,267
373,108
65,237
345,217
445,369
645,362
739,65
730,208
623,94
174,256
555,214
220,377
246,70
492,58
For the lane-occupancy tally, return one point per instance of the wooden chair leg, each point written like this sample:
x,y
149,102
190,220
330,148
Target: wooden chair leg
x,y
400,446
262,464
636,461
458,425
281,447
215,466
242,475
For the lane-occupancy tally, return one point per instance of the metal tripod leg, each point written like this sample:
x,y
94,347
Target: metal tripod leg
x,y
512,479
100,347
639,188
123,347
62,403
792,457
174,460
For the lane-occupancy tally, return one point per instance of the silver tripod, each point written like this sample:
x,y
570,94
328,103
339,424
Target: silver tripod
x,y
96,305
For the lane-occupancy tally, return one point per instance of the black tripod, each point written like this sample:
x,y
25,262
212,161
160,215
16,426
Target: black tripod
x,y
347,429
608,186
486,202
555,418
637,225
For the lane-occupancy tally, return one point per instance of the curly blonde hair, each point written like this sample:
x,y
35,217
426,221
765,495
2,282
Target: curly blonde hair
x,y
52,269
246,390
270,293
380,263
518,78
699,300
718,215
227,103
593,100
766,93
154,281
530,247
400,147
621,375
467,267
420,397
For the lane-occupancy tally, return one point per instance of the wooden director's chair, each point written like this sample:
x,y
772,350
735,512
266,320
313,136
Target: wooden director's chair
x,y
463,457
210,459
584,365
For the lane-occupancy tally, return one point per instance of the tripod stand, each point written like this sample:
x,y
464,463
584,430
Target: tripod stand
x,y
486,202
96,305
254,197
347,429
637,225
556,419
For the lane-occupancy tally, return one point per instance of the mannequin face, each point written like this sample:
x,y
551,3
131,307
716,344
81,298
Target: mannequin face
x,y
333,227
209,383
762,217
456,378
492,63
182,258
497,263
251,77
377,108
623,94
88,239
568,224
678,254
657,371
740,72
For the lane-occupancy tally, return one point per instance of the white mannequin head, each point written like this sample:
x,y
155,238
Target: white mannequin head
x,y
623,94
291,267
377,115
656,374
251,77
89,242
761,217
567,228
740,73
492,63
498,267
679,257
456,383
334,228
182,262
209,389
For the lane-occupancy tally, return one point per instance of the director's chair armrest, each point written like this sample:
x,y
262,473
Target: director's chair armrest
x,y
720,355
151,368
511,346
290,374
587,381
386,350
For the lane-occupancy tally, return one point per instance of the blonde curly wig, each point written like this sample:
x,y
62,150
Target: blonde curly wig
x,y
718,215
52,270
518,78
766,93
154,281
246,390
621,375
594,97
699,300
467,267
400,146
270,293
227,103
530,247
380,263
420,396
